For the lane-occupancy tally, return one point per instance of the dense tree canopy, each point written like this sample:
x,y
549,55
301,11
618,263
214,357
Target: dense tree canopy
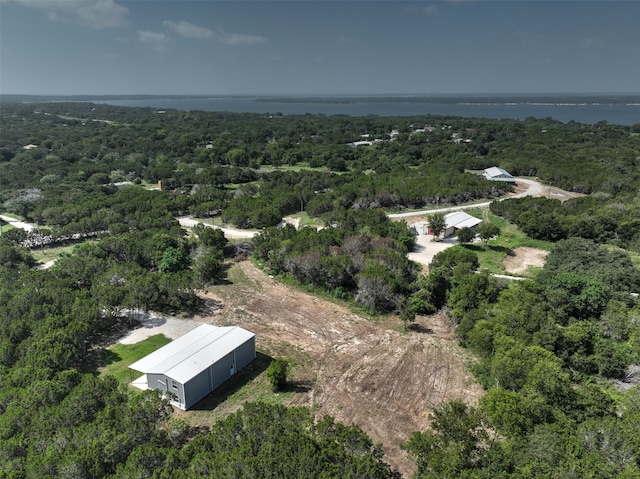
x,y
558,354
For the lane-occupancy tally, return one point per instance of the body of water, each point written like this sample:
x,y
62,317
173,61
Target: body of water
x,y
616,113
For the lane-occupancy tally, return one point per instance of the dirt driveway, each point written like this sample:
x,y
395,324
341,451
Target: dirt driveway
x,y
425,248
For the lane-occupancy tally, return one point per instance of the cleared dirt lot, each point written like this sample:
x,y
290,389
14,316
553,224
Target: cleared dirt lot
x,y
361,371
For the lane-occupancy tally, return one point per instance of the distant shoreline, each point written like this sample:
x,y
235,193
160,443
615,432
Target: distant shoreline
x,y
614,109
468,99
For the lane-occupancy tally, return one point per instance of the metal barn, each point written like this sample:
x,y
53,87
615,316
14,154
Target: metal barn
x,y
196,363
458,220
496,173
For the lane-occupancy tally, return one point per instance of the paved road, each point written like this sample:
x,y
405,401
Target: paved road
x,y
190,222
534,188
17,223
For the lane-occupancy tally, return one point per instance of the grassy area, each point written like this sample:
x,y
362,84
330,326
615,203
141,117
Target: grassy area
x,y
118,357
306,220
49,254
5,226
11,215
511,237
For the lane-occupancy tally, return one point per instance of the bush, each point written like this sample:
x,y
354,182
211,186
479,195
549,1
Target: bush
x,y
277,374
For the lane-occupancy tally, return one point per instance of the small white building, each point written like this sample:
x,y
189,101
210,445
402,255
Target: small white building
x,y
196,363
458,220
498,174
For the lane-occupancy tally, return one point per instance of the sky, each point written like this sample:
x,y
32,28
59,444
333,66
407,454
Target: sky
x,y
328,47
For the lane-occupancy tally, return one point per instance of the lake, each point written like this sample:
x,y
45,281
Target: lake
x,y
616,113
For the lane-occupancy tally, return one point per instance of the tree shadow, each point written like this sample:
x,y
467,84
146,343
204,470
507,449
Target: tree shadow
x,y
233,384
297,387
209,307
222,278
419,328
481,248
107,357
501,249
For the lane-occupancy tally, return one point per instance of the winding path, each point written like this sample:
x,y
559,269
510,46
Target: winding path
x,y
425,249
534,188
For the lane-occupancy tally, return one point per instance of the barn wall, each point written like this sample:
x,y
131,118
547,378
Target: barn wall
x,y
245,353
176,388
196,388
152,381
221,369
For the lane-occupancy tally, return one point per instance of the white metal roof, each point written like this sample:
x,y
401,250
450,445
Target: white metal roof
x,y
460,219
496,171
192,353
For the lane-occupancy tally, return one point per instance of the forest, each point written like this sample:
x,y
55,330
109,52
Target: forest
x,y
558,354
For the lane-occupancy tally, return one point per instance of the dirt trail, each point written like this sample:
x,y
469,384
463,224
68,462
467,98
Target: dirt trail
x,y
363,371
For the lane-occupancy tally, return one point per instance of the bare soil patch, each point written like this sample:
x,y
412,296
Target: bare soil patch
x,y
529,187
360,370
522,258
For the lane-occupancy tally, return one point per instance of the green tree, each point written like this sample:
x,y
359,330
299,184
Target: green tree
x,y
276,373
486,231
173,260
437,224
407,312
212,237
465,235
454,444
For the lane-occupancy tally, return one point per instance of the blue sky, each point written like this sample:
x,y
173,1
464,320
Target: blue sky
x,y
318,47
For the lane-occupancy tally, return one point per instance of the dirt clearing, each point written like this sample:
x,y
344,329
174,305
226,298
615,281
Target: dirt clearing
x,y
521,258
360,370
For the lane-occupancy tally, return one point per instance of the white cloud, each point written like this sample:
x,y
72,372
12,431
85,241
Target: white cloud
x,y
345,39
188,30
90,13
238,38
158,41
153,38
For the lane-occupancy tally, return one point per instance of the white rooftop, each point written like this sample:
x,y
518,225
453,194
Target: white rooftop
x,y
496,171
460,219
192,353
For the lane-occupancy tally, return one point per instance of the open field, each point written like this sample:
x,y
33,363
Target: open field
x,y
44,255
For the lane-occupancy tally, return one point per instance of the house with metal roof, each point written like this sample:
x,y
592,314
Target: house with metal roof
x,y
458,220
498,174
192,366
